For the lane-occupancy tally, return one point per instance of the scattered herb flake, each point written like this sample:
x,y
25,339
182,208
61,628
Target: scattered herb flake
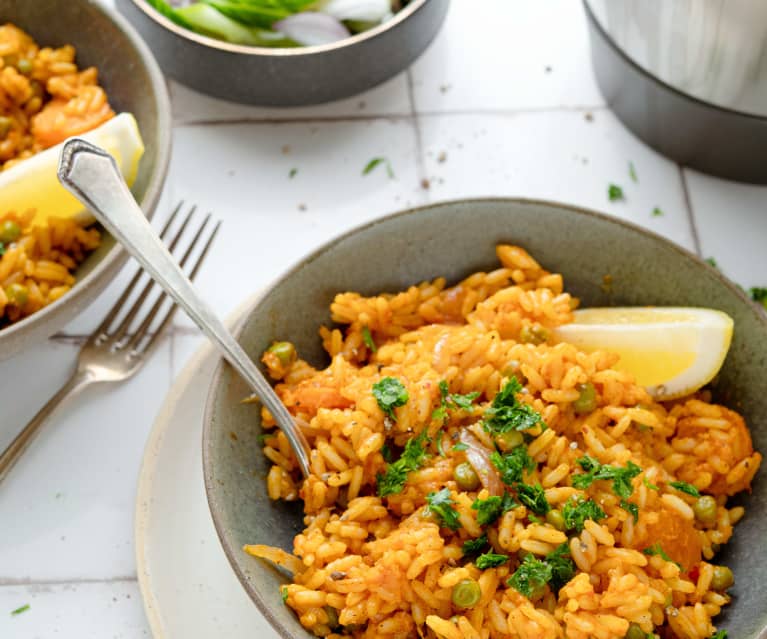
x,y
534,497
460,446
684,487
531,577
386,453
370,166
614,193
368,339
440,449
2,249
20,609
490,509
719,634
490,560
630,508
711,262
441,504
633,173
474,546
621,477
284,593
650,485
562,566
758,294
656,549
413,457
506,413
390,393
577,510
292,173
452,400
514,465
657,212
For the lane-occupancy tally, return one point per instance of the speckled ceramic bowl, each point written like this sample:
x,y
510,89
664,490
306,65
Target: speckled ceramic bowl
x,y
288,77
134,83
453,239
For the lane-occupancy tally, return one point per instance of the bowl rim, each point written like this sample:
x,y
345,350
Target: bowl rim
x,y
277,52
215,382
108,265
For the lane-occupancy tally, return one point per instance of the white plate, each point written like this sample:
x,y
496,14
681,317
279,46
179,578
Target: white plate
x,y
188,587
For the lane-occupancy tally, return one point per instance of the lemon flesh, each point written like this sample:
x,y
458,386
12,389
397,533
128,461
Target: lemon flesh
x,y
671,351
32,184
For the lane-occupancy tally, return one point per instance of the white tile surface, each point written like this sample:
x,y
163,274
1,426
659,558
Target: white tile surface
x,y
560,156
84,610
500,55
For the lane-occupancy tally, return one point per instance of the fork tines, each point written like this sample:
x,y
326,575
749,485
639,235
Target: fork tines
x,y
125,330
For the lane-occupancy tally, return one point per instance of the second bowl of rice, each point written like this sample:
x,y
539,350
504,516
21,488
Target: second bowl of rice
x,y
472,476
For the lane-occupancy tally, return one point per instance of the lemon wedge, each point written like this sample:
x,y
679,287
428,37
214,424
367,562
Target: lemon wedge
x,y
32,184
671,351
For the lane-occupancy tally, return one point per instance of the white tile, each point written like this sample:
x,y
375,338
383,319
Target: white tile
x,y
67,507
110,610
560,156
389,98
508,54
269,219
732,225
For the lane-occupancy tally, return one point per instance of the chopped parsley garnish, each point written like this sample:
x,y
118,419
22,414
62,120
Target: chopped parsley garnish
x,y
513,465
386,453
577,510
474,546
633,173
757,294
413,457
459,447
711,262
533,574
506,413
292,173
650,485
490,560
657,212
441,504
719,634
630,508
684,487
2,249
490,509
621,477
614,193
368,339
20,609
656,549
440,449
284,593
370,166
534,497
390,393
452,400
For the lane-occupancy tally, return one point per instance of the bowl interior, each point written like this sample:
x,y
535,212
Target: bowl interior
x,y
132,82
453,239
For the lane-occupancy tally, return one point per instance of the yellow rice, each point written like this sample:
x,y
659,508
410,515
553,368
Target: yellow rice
x,y
367,566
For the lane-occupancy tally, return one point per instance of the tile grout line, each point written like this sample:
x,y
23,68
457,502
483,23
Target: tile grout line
x,y
6,582
690,212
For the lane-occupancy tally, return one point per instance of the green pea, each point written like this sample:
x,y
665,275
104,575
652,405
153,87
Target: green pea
x,y
705,509
10,231
5,126
466,593
17,294
509,440
24,66
635,632
556,519
722,578
466,477
535,334
285,352
587,399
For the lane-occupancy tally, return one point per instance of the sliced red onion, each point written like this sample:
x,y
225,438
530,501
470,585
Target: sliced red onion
x,y
479,458
362,10
310,28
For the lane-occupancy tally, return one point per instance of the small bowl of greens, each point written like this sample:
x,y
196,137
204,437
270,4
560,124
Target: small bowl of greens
x,y
285,52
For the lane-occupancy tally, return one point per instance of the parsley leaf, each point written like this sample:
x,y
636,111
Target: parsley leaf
x,y
656,549
413,457
657,212
20,609
474,546
506,413
372,164
621,477
650,485
490,560
684,487
630,508
390,393
757,294
719,634
614,193
440,449
452,400
2,249
367,338
292,173
633,173
534,498
577,510
490,509
513,465
531,577
284,593
562,566
711,262
460,446
441,504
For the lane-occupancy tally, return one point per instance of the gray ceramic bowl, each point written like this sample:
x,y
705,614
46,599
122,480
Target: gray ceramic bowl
x,y
134,83
288,77
453,239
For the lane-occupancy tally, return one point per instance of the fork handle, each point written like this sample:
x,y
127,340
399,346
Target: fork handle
x,y
92,176
74,386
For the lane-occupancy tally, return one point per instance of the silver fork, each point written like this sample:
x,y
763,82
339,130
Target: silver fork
x,y
115,354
